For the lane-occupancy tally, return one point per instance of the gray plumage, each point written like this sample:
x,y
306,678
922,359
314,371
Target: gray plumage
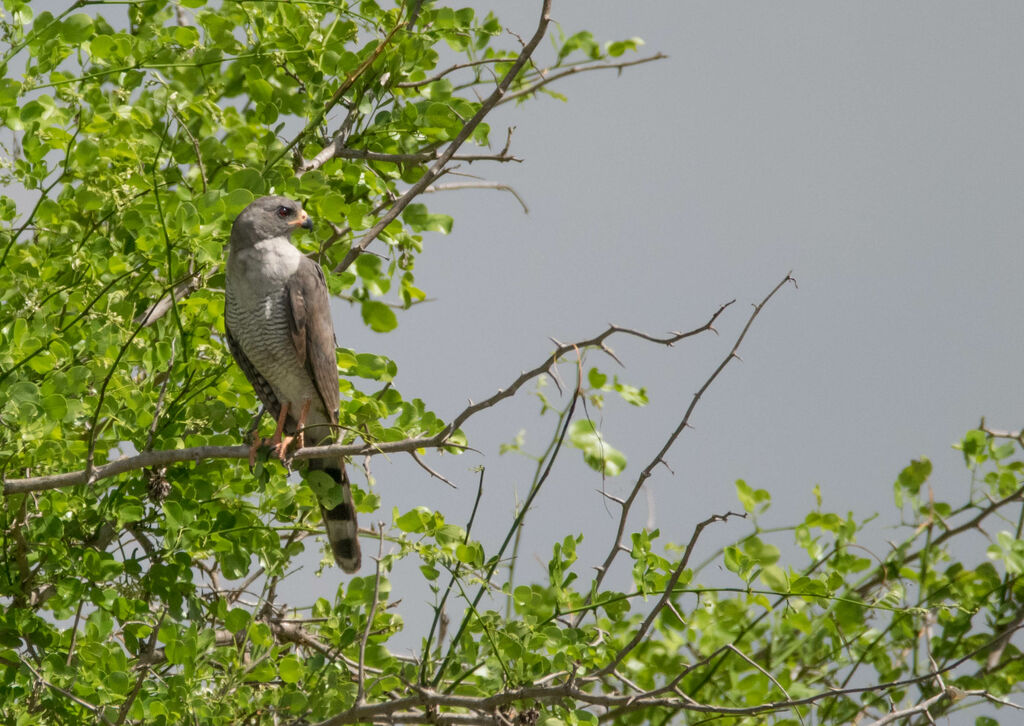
x,y
277,318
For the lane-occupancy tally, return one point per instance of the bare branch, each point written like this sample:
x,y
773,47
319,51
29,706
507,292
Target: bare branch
x,y
478,185
452,69
581,68
435,171
921,707
181,291
1017,436
595,342
659,458
482,709
361,676
335,150
423,465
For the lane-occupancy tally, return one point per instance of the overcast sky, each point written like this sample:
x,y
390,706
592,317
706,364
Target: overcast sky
x,y
874,148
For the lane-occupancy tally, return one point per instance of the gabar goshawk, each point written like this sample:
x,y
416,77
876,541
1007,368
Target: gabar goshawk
x,y
277,318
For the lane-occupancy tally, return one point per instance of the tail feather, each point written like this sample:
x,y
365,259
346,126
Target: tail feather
x,y
340,520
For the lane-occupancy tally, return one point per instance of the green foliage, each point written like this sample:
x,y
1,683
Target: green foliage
x,y
153,594
598,454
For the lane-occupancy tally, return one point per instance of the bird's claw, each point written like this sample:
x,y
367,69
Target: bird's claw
x,y
285,449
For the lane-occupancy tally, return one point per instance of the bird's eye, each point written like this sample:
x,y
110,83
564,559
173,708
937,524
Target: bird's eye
x,y
284,212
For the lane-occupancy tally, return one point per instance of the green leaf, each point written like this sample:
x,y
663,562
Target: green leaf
x,y
248,180
260,635
583,42
413,520
55,406
618,47
77,28
775,578
911,478
378,316
597,453
417,217
753,500
290,669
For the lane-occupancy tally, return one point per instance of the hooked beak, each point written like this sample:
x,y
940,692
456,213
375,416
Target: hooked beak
x,y
303,221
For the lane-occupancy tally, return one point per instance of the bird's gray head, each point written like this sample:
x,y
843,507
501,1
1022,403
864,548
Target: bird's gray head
x,y
268,217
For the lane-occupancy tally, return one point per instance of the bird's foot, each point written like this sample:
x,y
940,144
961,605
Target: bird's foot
x,y
255,442
290,444
285,449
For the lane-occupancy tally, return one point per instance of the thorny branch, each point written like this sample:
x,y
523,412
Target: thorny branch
x,y
478,185
440,440
659,458
668,592
547,77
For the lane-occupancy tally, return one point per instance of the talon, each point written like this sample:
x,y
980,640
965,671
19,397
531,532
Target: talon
x,y
281,451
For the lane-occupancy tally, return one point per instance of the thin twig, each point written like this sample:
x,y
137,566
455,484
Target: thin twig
x,y
452,69
478,185
360,681
670,585
548,77
616,547
96,711
437,169
439,610
430,471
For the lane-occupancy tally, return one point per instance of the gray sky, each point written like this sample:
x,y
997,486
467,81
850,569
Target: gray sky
x,y
874,148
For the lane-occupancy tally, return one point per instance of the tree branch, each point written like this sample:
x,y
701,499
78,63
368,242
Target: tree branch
x,y
660,457
478,185
668,592
441,439
581,68
349,81
435,171
180,291
452,69
335,150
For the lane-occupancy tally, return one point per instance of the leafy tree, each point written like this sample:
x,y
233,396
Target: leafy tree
x,y
142,563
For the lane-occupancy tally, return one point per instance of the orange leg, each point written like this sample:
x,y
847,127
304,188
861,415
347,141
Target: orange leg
x,y
299,439
275,440
278,441
257,442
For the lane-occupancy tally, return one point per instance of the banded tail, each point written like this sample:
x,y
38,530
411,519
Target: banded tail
x,y
340,521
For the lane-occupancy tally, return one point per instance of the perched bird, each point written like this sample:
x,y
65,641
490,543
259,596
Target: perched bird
x,y
278,322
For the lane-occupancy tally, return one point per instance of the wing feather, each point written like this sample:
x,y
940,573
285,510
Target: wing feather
x,y
312,332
